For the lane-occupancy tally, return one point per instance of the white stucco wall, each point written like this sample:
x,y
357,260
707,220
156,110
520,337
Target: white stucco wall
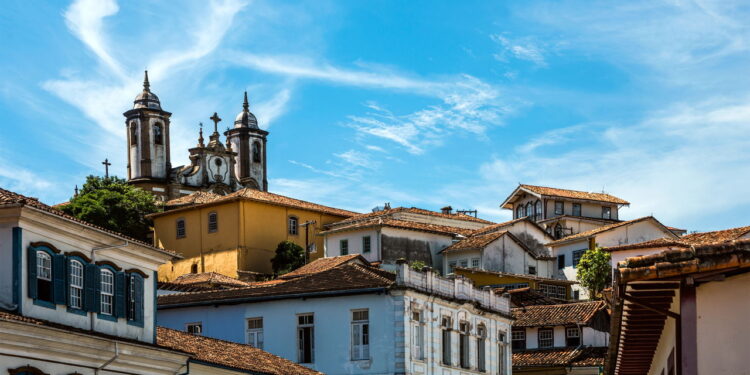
x,y
589,337
332,243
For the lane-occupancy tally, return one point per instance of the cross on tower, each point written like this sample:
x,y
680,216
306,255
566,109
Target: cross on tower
x,y
215,118
106,168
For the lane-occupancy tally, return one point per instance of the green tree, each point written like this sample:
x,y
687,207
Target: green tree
x,y
113,204
289,256
595,271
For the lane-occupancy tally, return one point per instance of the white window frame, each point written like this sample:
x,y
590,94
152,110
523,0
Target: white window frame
x,y
464,263
502,349
446,354
360,344
481,347
475,262
107,292
43,266
553,291
464,344
76,284
545,339
254,332
293,223
417,342
301,324
191,328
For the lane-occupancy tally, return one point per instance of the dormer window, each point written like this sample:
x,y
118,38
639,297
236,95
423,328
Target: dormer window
x,y
529,209
559,208
606,212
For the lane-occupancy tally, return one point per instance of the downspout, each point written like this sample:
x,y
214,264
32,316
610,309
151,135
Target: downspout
x,y
117,354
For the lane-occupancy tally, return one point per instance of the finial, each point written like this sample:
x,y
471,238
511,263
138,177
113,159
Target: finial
x,y
146,85
246,105
76,191
215,118
200,135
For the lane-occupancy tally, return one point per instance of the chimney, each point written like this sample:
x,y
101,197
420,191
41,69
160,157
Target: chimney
x,y
448,210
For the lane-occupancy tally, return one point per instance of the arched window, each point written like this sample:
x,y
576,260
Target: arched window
x,y
529,209
107,292
558,231
256,152
519,212
158,134
180,228
75,286
133,134
293,225
538,210
43,276
213,222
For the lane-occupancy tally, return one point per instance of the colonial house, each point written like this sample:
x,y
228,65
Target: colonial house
x,y
387,235
76,298
568,338
559,289
516,246
342,316
568,250
682,311
563,212
236,235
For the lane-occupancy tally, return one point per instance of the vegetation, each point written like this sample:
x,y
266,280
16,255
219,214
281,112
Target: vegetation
x,y
289,256
417,265
595,272
111,203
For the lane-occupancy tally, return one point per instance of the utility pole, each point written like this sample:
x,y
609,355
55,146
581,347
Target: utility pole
x,y
307,243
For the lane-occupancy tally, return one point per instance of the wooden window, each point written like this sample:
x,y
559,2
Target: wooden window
x,y
572,336
194,328
561,261
107,292
213,222
293,225
135,299
360,335
180,228
558,231
446,325
417,342
545,338
501,350
518,339
254,334
75,284
559,208
366,244
305,338
464,263
344,246
538,210
158,134
606,212
576,209
451,265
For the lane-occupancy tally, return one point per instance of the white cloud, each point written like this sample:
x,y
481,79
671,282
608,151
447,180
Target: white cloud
x,y
522,49
22,180
358,159
84,19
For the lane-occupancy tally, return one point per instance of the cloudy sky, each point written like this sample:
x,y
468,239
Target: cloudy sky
x,y
417,103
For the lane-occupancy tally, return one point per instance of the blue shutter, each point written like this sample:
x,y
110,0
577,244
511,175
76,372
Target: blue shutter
x,y
58,279
67,286
138,286
91,283
31,272
120,295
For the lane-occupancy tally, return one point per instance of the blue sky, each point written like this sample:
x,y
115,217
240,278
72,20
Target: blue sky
x,y
420,103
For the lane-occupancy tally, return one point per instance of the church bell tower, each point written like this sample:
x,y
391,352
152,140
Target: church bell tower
x,y
249,141
147,127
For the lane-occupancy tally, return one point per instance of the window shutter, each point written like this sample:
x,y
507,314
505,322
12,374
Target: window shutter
x,y
67,287
58,279
120,296
91,283
31,272
138,285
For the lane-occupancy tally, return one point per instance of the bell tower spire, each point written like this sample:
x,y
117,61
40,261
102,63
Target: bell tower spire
x,y
146,85
249,141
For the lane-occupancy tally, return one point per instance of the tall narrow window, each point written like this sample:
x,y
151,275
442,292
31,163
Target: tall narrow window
x,y
344,245
306,338
133,134
577,257
417,342
213,222
366,244
446,340
481,352
561,261
158,134
293,225
546,338
538,210
606,212
254,335
180,228
559,208
576,209
558,231
43,276
107,290
519,212
501,353
134,312
572,336
518,339
529,210
360,335
256,152
463,344
194,328
75,276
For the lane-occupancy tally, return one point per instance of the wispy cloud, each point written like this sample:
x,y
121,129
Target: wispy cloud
x,y
522,49
84,18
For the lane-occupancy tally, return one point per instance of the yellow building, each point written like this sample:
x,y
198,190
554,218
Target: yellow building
x,y
553,288
237,234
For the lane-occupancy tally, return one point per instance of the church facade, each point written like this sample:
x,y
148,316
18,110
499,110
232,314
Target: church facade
x,y
217,167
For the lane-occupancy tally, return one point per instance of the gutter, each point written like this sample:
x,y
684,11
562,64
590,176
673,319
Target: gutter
x,y
235,301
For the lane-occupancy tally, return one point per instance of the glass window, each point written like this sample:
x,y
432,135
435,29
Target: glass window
x,y
501,354
518,338
194,328
553,291
417,343
344,246
305,338
180,228
360,335
254,336
572,336
293,225
561,261
559,208
213,222
133,134
576,209
606,212
76,285
451,265
546,338
464,263
475,263
446,340
481,351
519,212
43,276
463,344
538,210
577,257
529,210
107,290
366,244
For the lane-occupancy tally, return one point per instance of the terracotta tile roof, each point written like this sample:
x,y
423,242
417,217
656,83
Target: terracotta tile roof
x,y
693,239
10,198
679,262
412,210
262,196
229,354
324,264
507,224
199,197
563,357
464,271
209,279
659,242
556,315
606,228
475,242
394,223
346,277
574,194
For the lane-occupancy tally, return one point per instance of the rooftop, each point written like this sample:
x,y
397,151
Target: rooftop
x,y
506,224
228,354
688,240
607,228
394,223
567,357
324,264
412,210
209,280
565,193
556,315
475,242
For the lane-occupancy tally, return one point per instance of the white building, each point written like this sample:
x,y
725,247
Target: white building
x,y
340,316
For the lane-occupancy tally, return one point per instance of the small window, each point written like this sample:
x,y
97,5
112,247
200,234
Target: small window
x,y
606,212
577,257
366,244
75,276
135,298
561,261
43,276
256,152
546,338
451,265
254,336
107,291
475,263
553,291
576,209
158,134
360,335
293,225
213,222
194,328
538,210
518,339
529,210
559,208
194,268
180,228
344,245
133,134
464,263
417,343
572,336
305,338
532,270
519,212
576,294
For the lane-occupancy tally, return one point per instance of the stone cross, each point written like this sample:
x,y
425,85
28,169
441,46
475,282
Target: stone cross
x,y
215,118
106,168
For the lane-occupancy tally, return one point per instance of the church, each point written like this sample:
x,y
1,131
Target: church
x,y
217,167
